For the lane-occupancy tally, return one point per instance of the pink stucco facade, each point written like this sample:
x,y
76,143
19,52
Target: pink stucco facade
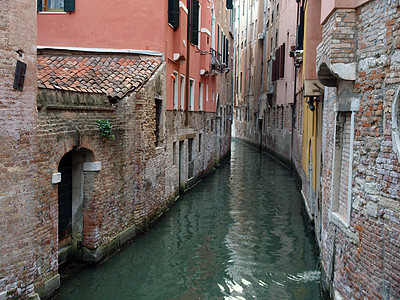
x,y
287,35
129,25
329,6
106,24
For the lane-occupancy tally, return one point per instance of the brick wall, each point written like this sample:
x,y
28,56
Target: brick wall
x,y
360,261
275,133
19,244
138,179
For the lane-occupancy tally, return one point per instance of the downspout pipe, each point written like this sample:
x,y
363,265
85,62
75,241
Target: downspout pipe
x,y
245,61
264,54
296,67
187,65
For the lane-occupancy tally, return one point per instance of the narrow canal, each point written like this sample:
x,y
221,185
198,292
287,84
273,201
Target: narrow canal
x,y
239,234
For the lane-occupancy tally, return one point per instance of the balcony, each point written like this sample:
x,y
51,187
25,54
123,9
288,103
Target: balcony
x,y
217,64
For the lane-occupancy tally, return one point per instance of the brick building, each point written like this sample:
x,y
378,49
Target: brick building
x,y
265,74
19,199
344,137
78,190
357,62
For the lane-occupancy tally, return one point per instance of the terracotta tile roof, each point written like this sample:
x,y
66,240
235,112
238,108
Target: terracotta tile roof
x,y
113,76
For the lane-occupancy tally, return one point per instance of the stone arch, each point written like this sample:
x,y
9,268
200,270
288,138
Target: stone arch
x,y
71,192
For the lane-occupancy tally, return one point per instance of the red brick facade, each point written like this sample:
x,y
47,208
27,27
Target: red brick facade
x,y
360,254
19,201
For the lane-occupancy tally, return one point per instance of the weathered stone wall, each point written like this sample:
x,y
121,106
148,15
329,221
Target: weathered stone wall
x,y
275,132
19,209
360,253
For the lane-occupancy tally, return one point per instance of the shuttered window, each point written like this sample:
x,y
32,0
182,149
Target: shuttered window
x,y
69,5
278,65
229,4
194,34
173,13
300,30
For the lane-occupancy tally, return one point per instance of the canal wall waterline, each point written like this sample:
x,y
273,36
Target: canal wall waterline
x,y
293,167
287,164
228,237
124,238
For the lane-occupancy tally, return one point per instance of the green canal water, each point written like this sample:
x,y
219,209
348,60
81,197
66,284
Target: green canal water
x,y
239,234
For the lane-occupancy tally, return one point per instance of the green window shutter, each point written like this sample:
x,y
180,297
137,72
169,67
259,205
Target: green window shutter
x,y
229,4
69,5
39,5
173,13
194,36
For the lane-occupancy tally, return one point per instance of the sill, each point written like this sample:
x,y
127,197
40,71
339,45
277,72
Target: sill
x,y
342,225
52,12
339,220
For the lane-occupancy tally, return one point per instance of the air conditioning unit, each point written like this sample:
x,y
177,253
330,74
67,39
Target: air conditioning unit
x,y
261,36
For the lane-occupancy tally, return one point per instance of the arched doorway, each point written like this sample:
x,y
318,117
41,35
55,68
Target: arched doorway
x,y
71,201
65,201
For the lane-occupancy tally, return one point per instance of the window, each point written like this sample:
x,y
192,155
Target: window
x,y
278,65
200,96
199,142
173,13
231,21
218,31
396,123
174,153
207,92
175,90
182,91
158,121
213,95
56,5
342,165
241,82
255,30
190,158
191,91
194,32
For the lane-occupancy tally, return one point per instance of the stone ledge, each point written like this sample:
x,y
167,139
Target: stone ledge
x,y
92,166
96,255
336,219
49,287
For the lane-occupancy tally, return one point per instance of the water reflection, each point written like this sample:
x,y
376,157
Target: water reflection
x,y
237,235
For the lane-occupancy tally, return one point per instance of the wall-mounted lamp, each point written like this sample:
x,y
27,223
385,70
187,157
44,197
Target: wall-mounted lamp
x,y
311,102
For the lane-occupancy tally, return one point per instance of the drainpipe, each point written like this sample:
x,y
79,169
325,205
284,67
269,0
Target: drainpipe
x,y
264,54
233,64
296,67
245,61
187,65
